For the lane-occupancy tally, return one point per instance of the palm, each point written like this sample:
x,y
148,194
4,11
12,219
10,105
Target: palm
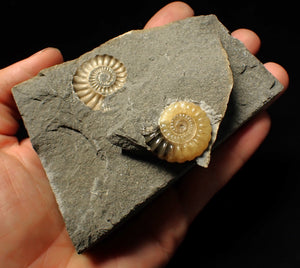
x,y
34,226
32,231
27,200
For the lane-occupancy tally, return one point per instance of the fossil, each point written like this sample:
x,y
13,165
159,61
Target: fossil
x,y
98,77
183,134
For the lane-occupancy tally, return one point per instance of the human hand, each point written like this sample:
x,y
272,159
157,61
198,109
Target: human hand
x,y
32,231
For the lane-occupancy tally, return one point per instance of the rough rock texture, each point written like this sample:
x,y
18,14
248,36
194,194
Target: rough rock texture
x,y
97,184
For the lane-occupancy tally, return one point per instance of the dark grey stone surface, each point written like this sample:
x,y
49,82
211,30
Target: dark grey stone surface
x,y
97,184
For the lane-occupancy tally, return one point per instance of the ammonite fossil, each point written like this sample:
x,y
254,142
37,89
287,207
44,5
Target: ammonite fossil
x,y
183,134
100,76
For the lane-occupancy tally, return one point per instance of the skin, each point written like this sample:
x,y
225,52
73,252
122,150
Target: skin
x,y
32,231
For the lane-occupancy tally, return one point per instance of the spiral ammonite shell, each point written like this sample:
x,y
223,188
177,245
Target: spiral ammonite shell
x,y
184,132
100,76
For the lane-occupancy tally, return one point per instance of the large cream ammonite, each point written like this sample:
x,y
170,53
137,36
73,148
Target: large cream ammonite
x,y
98,77
184,133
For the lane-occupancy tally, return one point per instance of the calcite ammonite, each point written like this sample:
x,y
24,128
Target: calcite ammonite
x,y
184,132
98,77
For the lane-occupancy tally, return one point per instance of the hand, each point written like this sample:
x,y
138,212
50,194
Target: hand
x,y
32,231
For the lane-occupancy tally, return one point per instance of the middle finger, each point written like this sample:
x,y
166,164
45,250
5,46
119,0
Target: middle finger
x,y
249,38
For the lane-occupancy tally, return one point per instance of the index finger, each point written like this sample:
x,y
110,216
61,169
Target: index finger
x,y
25,69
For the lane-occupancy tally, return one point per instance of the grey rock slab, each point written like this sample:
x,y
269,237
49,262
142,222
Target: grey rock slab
x,y
98,184
170,63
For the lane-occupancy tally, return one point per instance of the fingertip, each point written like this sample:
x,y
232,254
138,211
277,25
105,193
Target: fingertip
x,y
279,72
30,66
56,53
52,55
249,38
25,69
172,12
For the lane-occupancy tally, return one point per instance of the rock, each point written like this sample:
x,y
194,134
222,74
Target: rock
x,y
96,160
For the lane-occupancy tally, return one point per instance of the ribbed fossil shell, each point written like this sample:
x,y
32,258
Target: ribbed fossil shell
x,y
100,76
184,133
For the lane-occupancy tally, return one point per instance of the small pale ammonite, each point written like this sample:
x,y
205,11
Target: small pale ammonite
x,y
184,132
98,77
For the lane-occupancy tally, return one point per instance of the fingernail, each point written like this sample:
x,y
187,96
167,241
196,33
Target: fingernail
x,y
45,49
